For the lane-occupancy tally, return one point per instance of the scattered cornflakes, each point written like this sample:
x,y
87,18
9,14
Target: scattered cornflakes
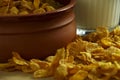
x,y
95,56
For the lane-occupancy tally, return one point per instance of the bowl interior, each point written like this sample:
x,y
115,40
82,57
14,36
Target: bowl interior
x,y
64,2
66,5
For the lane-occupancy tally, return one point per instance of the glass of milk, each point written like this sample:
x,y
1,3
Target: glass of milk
x,y
96,13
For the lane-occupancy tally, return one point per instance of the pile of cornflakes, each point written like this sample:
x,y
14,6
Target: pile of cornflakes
x,y
14,7
95,56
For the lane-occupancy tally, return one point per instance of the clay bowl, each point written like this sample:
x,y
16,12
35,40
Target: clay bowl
x,y
35,35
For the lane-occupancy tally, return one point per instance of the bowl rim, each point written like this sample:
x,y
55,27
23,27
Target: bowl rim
x,y
62,9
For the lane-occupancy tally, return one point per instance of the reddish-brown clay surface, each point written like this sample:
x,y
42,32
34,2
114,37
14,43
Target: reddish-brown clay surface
x,y
37,36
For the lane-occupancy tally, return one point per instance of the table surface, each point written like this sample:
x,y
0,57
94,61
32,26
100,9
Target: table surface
x,y
18,76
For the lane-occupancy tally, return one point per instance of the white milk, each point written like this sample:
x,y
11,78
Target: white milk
x,y
93,13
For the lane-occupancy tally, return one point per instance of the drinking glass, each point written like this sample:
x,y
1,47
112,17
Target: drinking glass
x,y
91,14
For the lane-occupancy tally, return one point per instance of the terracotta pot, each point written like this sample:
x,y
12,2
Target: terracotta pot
x,y
37,36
